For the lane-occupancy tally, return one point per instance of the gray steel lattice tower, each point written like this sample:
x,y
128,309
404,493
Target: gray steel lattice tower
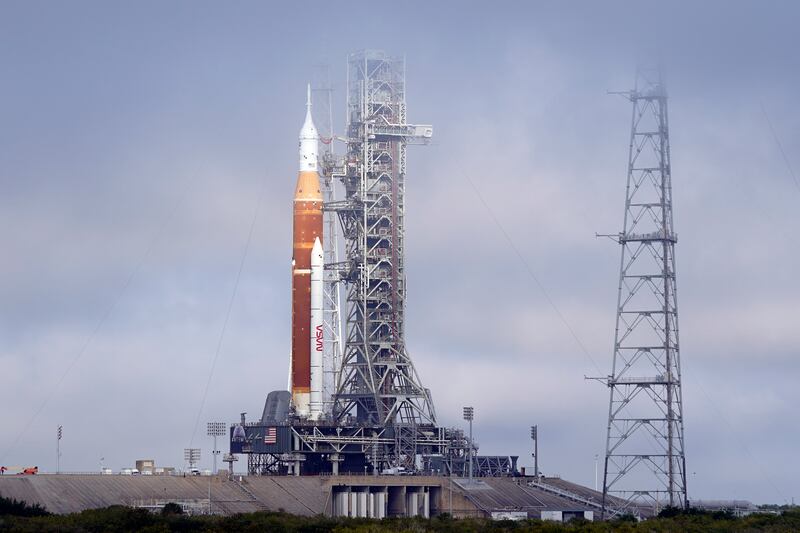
x,y
332,293
377,383
645,462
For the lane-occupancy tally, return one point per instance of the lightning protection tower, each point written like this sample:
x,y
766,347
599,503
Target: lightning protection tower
x,y
645,464
377,384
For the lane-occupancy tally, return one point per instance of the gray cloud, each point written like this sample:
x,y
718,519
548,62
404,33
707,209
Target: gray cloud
x,y
118,121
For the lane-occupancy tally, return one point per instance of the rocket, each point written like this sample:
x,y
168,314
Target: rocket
x,y
307,265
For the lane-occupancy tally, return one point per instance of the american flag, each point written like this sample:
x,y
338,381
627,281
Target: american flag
x,y
271,436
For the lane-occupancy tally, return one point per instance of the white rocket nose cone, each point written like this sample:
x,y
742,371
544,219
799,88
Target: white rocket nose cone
x,y
308,139
308,131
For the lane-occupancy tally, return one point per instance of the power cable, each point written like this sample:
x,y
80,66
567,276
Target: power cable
x,y
583,347
228,313
98,326
780,147
532,274
741,442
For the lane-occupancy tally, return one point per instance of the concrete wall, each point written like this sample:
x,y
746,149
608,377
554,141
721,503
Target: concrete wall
x,y
65,493
369,496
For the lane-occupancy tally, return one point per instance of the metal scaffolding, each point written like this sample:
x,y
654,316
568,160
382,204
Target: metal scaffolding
x,y
332,322
645,464
377,384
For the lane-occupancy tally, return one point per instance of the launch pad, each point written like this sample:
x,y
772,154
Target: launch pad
x,y
299,448
374,416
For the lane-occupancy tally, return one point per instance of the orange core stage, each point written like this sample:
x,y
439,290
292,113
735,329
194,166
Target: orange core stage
x,y
307,227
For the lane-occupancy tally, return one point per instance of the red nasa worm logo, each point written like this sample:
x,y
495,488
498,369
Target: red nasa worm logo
x,y
319,338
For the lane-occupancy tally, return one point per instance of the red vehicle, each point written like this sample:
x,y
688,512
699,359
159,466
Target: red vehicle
x,y
20,470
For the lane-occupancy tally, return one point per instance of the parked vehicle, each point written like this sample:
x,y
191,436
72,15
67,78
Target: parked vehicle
x,y
20,470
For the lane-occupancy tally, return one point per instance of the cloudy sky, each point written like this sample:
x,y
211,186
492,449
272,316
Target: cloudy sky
x,y
139,142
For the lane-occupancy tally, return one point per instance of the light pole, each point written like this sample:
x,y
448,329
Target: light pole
x,y
450,491
192,456
215,429
535,438
469,415
595,472
58,449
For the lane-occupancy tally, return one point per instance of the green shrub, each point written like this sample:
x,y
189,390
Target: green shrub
x,y
171,508
13,507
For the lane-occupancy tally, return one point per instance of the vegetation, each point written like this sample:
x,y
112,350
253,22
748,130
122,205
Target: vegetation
x,y
19,508
171,508
117,518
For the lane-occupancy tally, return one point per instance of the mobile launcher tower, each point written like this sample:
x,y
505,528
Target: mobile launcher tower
x,y
376,415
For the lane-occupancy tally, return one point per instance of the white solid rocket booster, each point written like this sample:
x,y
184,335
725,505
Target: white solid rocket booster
x,y
316,330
